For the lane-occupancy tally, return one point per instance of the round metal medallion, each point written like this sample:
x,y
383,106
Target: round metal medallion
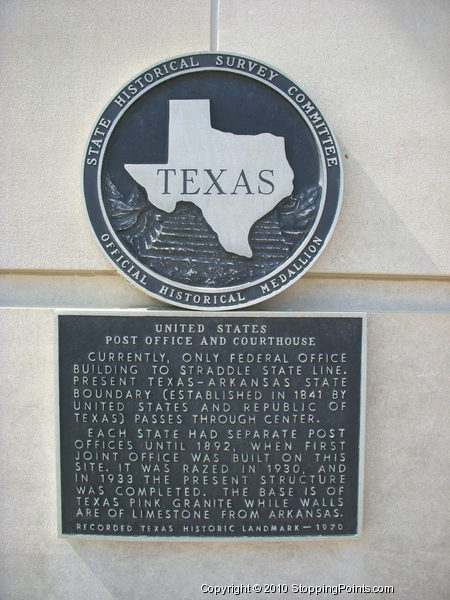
x,y
212,181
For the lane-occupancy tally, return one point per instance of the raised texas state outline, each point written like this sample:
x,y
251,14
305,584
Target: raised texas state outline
x,y
234,179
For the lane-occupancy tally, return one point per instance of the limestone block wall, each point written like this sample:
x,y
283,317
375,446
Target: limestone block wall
x,y
378,71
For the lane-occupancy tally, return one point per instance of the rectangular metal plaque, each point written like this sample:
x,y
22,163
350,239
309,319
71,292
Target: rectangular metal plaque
x,y
178,425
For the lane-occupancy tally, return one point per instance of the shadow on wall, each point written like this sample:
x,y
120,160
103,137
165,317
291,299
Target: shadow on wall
x,y
370,237
152,570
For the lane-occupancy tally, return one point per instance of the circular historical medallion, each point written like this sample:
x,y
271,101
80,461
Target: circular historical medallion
x,y
212,181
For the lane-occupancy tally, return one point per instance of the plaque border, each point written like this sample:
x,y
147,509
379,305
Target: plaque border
x,y
143,312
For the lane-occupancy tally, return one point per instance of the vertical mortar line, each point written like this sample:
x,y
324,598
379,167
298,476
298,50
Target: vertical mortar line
x,y
214,26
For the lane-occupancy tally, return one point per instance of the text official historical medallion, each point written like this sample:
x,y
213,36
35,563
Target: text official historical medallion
x,y
212,181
